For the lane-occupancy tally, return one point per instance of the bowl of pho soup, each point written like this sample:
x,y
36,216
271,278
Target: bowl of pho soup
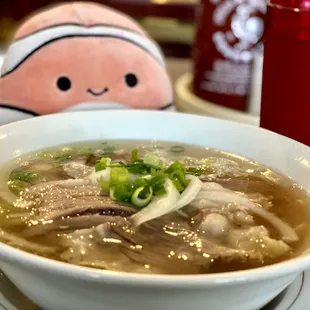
x,y
150,210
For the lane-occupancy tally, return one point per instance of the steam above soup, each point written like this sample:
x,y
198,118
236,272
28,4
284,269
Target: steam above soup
x,y
151,208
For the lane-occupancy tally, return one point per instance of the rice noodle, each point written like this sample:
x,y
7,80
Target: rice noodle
x,y
214,194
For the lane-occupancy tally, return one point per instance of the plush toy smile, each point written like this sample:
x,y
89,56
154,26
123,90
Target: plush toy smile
x,y
97,93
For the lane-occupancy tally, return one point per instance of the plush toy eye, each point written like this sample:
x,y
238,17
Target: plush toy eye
x,y
131,79
64,83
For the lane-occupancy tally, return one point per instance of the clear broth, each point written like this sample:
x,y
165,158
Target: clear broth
x,y
290,202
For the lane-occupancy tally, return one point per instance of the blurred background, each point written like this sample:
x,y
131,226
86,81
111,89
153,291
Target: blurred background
x,y
207,79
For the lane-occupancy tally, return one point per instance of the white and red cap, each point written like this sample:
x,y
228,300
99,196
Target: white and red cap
x,y
24,47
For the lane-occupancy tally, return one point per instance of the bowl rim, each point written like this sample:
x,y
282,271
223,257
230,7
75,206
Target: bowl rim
x,y
9,254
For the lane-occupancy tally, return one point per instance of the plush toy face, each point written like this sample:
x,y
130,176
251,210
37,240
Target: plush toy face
x,y
79,53
75,70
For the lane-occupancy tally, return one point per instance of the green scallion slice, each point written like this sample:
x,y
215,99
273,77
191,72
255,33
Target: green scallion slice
x,y
102,164
197,171
122,192
142,196
180,175
153,160
25,176
176,182
119,175
160,192
177,149
140,168
135,156
157,183
105,185
141,182
176,166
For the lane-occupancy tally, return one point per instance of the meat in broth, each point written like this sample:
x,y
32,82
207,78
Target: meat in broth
x,y
151,208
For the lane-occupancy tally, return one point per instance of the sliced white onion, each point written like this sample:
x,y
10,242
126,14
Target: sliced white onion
x,y
221,195
159,205
190,193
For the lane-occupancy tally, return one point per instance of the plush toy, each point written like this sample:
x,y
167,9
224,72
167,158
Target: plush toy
x,y
81,55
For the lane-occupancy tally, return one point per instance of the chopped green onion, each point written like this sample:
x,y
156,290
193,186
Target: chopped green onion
x,y
119,175
197,171
158,179
153,171
157,183
147,177
142,196
117,164
135,156
98,167
140,168
161,192
25,176
105,161
176,182
105,185
177,149
177,173
153,160
122,192
102,164
180,176
176,166
141,182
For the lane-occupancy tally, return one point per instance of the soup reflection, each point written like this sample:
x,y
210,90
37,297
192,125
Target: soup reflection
x,y
151,208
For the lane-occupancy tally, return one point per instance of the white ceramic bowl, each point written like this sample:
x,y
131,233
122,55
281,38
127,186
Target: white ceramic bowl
x,y
59,286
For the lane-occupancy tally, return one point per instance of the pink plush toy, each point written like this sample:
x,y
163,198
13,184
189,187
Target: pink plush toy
x,y
81,55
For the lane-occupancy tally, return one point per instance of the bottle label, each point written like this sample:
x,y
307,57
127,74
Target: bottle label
x,y
227,78
239,30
